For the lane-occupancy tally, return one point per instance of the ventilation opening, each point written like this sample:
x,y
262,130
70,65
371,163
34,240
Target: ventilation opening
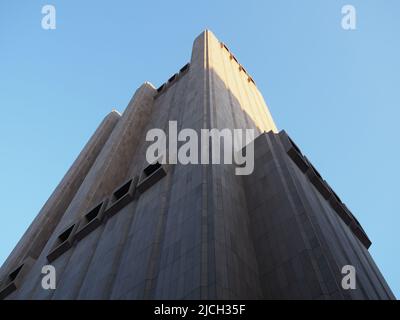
x,y
353,217
161,88
64,236
185,67
234,58
149,170
122,191
172,78
13,275
294,145
62,244
336,196
151,175
315,171
93,213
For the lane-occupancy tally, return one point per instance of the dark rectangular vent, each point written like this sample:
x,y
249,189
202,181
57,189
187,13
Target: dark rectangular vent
x,y
122,191
223,45
336,196
90,221
93,214
184,68
14,278
63,243
250,79
341,210
64,236
313,169
294,152
359,232
150,169
319,183
234,58
172,79
242,68
161,88
13,275
151,174
121,197
294,145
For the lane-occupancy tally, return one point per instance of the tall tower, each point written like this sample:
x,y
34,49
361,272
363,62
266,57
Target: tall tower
x,y
118,227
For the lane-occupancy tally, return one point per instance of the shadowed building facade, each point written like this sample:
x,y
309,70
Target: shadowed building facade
x,y
117,227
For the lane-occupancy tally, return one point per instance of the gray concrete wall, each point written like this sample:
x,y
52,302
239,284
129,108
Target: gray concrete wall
x,y
301,242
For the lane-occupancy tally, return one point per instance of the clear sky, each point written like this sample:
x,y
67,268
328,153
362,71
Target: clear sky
x,y
336,92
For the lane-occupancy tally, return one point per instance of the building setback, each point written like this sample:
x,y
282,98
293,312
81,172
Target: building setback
x,y
117,227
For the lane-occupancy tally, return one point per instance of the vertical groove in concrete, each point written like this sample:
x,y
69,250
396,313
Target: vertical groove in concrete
x,y
233,244
216,90
36,236
177,111
206,252
174,113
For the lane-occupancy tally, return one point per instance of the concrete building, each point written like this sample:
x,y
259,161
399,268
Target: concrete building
x,y
117,227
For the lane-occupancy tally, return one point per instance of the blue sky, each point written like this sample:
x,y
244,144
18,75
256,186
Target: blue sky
x,y
336,92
